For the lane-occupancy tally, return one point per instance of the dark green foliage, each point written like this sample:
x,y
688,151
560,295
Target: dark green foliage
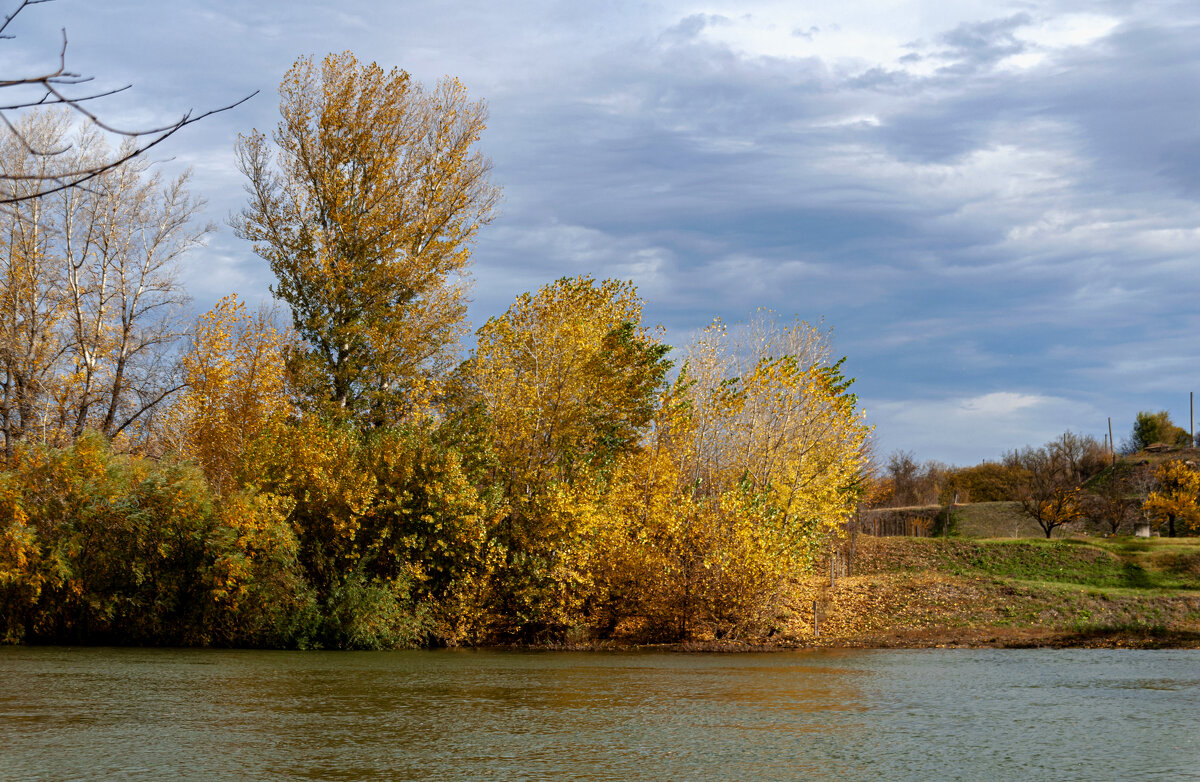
x,y
634,369
945,524
371,614
259,594
394,506
1150,428
119,546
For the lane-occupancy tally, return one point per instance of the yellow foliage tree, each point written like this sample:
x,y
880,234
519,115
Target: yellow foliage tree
x,y
365,206
681,555
568,377
258,595
756,459
1051,476
236,384
1177,495
21,577
775,413
392,512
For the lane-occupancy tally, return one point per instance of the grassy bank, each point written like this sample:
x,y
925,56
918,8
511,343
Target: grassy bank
x,y
950,592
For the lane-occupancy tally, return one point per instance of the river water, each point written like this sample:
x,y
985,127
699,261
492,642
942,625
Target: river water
x,y
133,714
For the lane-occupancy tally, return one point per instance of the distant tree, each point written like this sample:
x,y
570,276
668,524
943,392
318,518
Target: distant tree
x,y
1177,495
1115,496
911,482
1150,428
1050,492
984,482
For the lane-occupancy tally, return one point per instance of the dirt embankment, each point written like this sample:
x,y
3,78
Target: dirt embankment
x,y
922,592
904,592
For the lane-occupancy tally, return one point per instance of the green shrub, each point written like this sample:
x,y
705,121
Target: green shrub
x,y
363,614
114,546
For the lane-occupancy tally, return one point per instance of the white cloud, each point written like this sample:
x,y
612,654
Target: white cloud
x,y
968,429
1068,30
998,404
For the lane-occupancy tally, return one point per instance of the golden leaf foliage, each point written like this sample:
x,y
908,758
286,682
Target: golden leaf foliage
x,y
755,460
568,378
773,412
365,206
394,508
1177,496
236,385
682,555
258,595
21,572
120,542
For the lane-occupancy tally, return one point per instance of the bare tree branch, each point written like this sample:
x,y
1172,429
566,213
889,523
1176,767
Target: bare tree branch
x,y
51,85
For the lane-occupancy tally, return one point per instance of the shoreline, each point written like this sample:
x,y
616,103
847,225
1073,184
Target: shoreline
x,y
990,638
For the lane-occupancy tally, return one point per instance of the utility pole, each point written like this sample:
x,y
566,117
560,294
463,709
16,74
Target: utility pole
x,y
1112,448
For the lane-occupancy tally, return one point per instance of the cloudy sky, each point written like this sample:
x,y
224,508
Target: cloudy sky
x,y
992,205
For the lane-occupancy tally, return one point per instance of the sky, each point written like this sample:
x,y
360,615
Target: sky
x,y
992,206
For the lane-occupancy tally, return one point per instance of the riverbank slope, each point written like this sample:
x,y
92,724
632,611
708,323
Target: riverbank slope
x,y
905,592
932,592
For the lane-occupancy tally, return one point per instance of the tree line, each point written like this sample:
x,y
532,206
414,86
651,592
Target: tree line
x,y
341,476
1070,479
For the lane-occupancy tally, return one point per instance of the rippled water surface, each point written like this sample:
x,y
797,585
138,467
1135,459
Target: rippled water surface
x,y
837,715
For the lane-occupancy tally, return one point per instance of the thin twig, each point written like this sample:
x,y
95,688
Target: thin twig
x,y
52,96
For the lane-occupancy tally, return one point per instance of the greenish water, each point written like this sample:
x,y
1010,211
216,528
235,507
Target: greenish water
x,y
134,714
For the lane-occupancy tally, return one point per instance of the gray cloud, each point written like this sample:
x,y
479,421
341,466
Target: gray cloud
x,y
1007,206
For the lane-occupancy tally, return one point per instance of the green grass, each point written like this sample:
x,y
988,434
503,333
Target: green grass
x,y
1072,591
994,520
1118,564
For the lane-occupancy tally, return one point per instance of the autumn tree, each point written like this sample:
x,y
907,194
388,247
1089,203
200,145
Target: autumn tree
x,y
775,409
1150,428
756,459
235,385
389,522
364,202
1050,493
1176,495
125,299
32,307
984,482
89,290
913,483
568,377
118,545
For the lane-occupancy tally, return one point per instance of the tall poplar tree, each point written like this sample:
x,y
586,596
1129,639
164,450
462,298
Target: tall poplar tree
x,y
364,202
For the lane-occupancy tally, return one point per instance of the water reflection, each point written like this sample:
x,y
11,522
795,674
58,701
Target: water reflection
x,y
150,714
